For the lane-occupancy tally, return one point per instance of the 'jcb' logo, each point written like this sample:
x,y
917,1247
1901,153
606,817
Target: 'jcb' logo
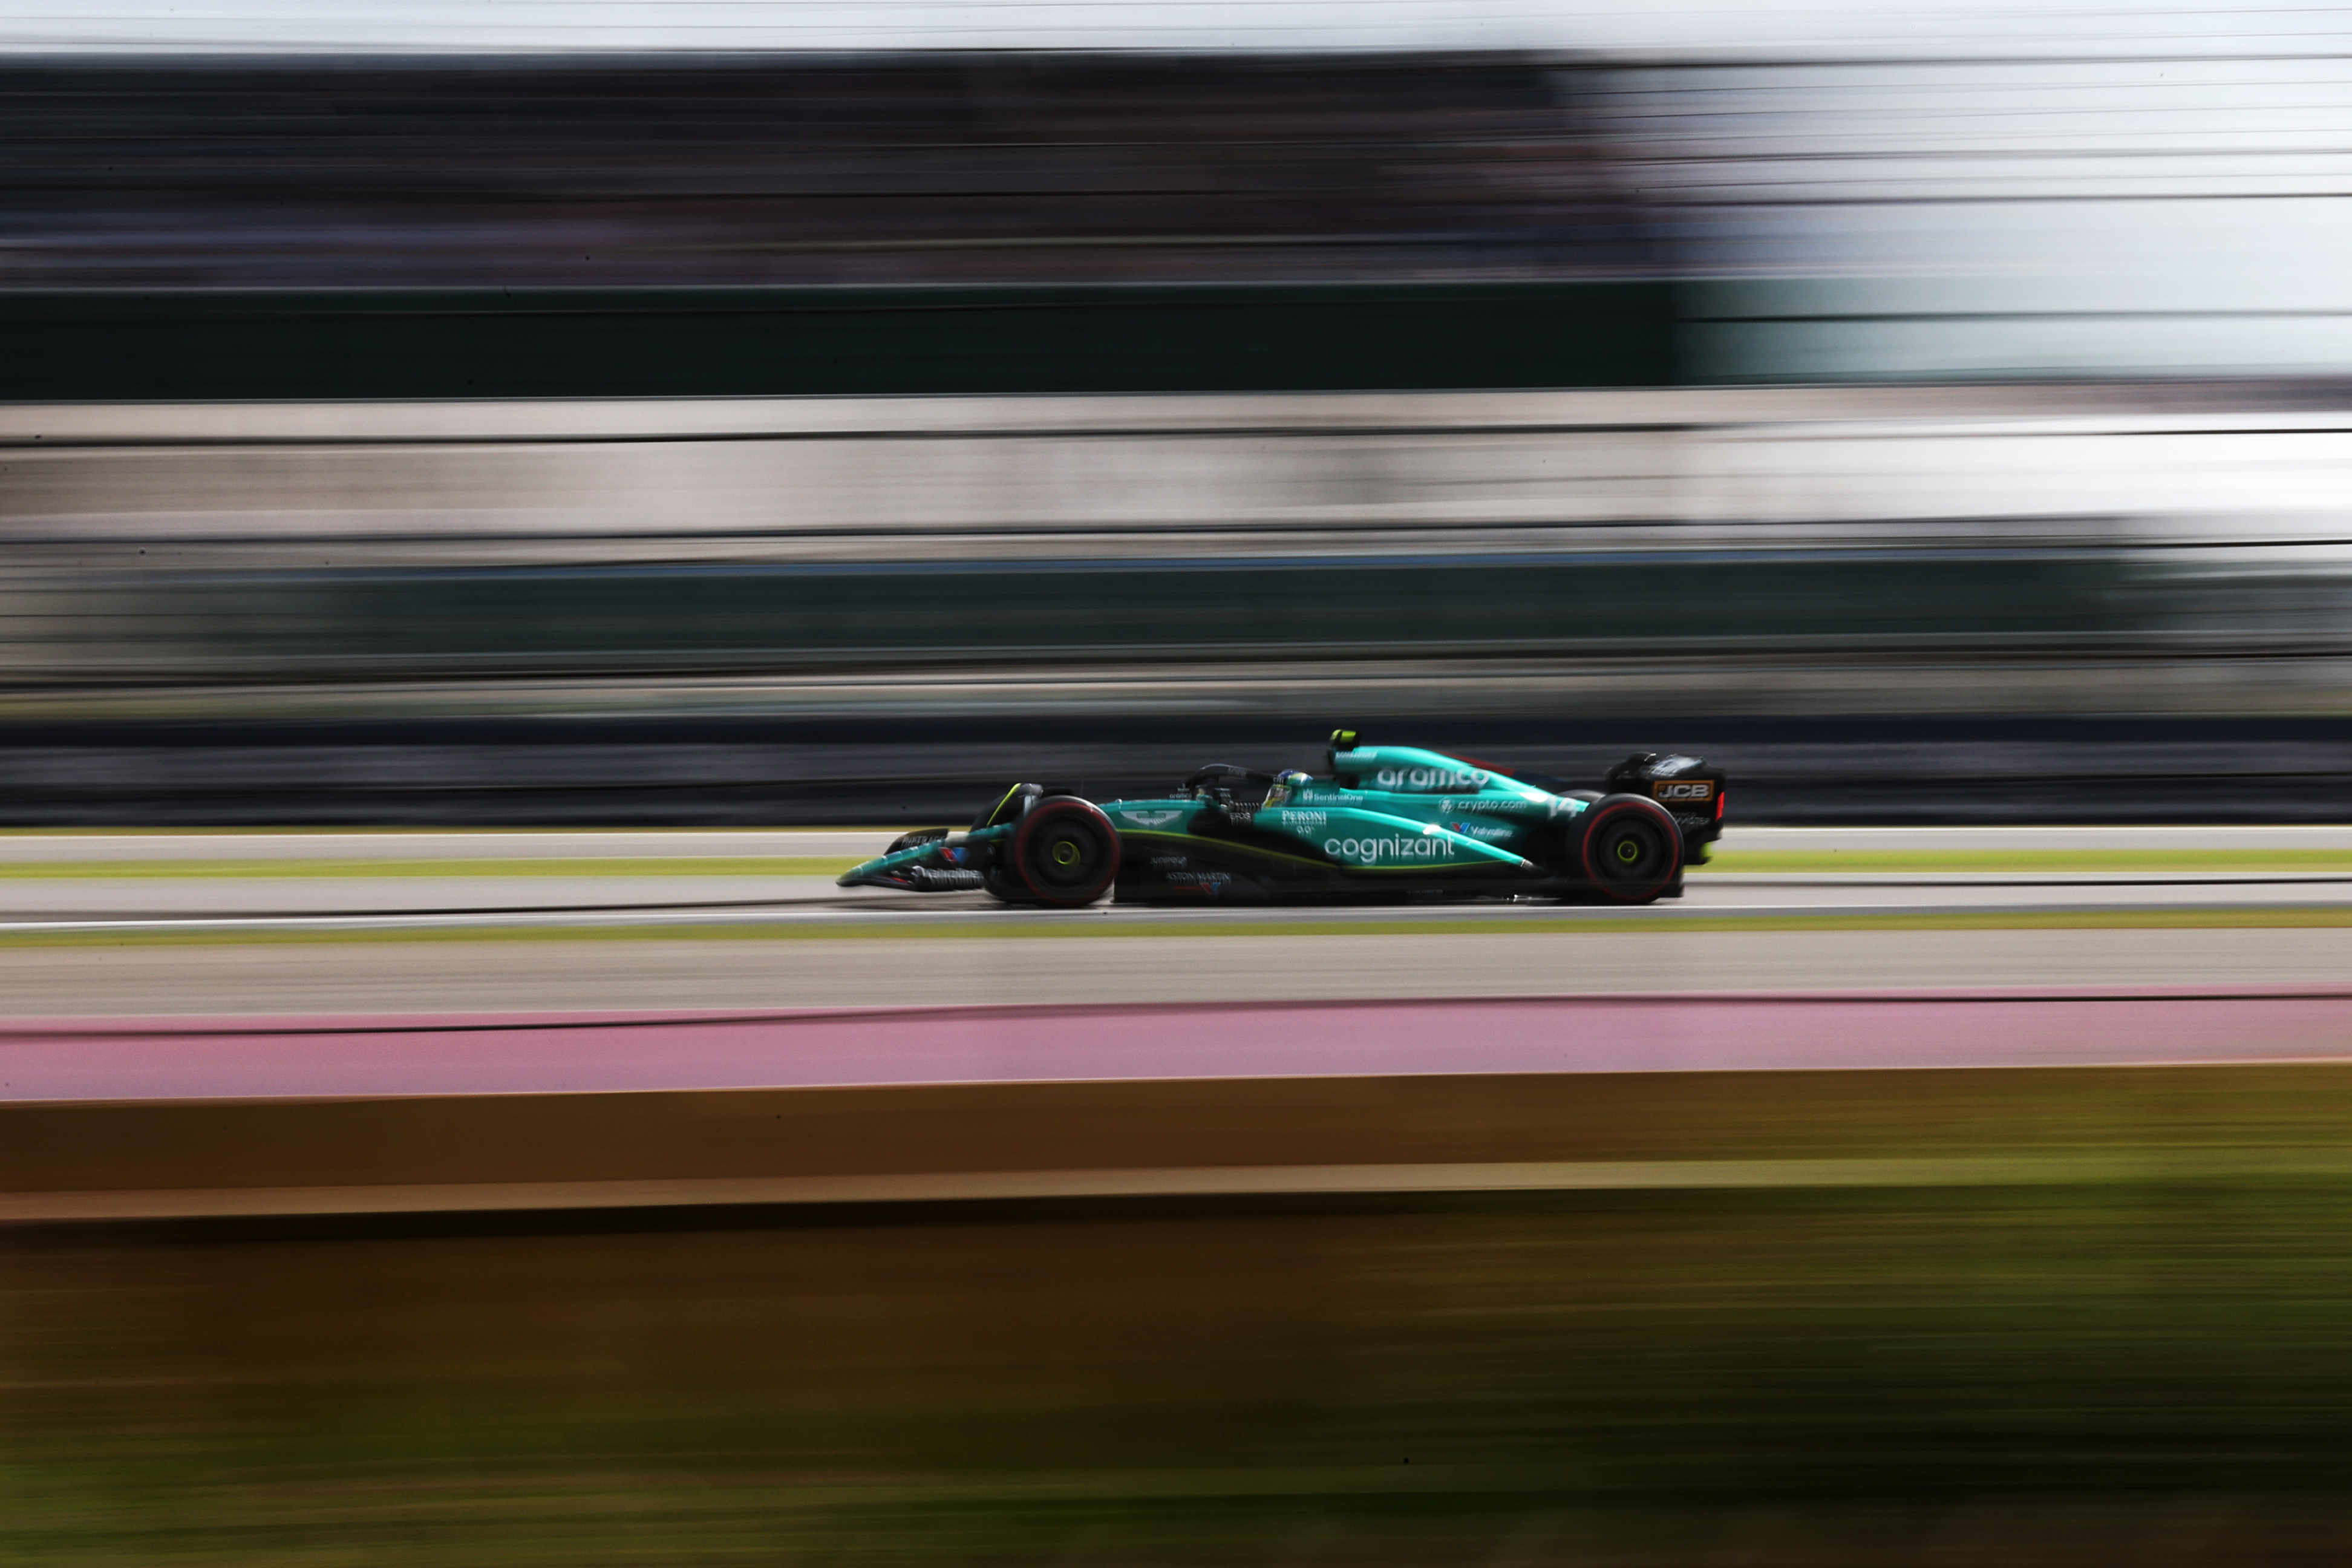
x,y
1697,790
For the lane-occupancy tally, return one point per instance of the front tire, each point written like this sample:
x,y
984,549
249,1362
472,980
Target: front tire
x,y
1630,849
1065,853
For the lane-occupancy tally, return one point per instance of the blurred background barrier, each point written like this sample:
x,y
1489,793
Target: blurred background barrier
x,y
871,766
746,609
1530,390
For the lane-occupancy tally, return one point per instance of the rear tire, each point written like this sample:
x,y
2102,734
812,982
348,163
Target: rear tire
x,y
1630,849
1065,853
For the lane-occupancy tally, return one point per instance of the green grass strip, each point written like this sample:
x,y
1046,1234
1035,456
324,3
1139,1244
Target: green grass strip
x,y
1081,927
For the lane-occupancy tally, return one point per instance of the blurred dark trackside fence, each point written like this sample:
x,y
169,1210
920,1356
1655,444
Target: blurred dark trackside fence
x,y
151,345
905,771
929,618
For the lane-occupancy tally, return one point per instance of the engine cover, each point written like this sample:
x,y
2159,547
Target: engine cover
x,y
1691,791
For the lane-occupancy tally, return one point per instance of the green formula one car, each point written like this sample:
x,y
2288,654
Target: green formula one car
x,y
1382,821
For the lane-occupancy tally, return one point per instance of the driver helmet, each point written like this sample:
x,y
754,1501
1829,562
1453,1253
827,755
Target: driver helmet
x,y
1285,781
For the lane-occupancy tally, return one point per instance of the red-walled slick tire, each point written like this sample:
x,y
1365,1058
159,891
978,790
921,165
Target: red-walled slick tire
x,y
1630,850
1065,852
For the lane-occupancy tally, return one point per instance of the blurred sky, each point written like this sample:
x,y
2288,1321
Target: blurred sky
x,y
2008,27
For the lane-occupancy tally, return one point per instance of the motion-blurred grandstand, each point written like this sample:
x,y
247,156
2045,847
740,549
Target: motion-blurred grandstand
x,y
938,170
